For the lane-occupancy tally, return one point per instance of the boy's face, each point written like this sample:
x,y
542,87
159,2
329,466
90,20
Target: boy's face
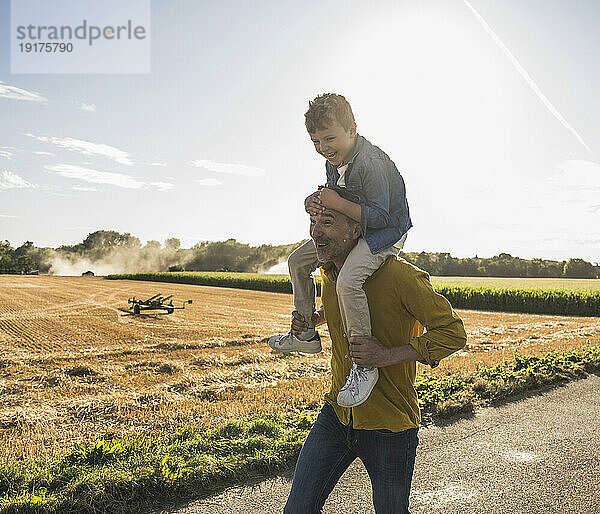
x,y
335,143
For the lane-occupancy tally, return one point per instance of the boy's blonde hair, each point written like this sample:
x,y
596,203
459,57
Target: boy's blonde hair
x,y
325,110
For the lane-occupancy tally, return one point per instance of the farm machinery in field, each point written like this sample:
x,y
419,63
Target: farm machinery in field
x,y
155,302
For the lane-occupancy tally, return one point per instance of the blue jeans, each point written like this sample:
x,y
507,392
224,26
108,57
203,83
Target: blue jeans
x,y
389,458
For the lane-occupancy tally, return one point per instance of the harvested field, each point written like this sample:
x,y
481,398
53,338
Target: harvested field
x,y
75,366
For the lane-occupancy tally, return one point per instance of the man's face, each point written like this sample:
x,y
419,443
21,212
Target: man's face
x,y
333,237
335,143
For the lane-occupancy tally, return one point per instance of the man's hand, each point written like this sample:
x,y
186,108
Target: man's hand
x,y
368,351
299,324
313,205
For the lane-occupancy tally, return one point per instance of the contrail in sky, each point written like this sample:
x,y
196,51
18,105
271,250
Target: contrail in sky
x,y
527,78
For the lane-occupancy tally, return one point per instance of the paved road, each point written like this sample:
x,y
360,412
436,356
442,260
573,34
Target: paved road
x,y
539,454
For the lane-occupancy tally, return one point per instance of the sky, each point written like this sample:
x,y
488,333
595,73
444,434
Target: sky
x,y
488,109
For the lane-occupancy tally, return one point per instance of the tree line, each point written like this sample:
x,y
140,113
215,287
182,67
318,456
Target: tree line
x,y
16,260
125,253
503,265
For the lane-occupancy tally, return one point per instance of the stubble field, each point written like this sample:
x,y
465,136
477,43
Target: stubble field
x,y
76,366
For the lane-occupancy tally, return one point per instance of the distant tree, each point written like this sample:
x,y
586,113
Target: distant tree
x,y
105,240
24,264
172,243
152,245
25,249
578,268
5,248
6,264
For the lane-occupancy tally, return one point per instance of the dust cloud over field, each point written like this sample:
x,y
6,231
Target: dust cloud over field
x,y
118,260
76,366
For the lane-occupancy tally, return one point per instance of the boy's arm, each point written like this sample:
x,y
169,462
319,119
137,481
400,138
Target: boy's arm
x,y
374,212
299,324
376,190
313,205
330,199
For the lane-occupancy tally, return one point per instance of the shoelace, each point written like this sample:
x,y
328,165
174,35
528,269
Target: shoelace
x,y
356,375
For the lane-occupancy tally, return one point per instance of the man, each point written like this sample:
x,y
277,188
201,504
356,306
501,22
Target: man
x,y
383,431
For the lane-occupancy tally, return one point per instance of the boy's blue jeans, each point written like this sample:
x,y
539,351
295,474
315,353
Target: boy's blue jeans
x,y
389,458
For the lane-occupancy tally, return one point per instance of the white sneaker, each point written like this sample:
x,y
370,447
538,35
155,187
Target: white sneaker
x,y
290,343
359,385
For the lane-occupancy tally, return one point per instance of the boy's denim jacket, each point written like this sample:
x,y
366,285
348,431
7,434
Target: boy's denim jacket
x,y
374,178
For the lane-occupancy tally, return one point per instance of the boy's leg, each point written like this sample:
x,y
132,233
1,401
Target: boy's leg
x,y
323,459
301,263
354,308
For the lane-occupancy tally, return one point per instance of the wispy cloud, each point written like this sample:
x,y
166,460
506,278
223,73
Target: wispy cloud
x,y
103,177
9,180
95,176
86,189
162,186
16,93
530,82
8,216
87,148
44,153
209,182
233,169
8,152
158,163
87,107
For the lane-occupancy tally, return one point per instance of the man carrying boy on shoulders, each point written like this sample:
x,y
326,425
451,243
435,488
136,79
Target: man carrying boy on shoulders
x,y
383,431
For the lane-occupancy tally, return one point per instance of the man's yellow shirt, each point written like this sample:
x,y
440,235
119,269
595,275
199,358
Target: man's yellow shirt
x,y
401,301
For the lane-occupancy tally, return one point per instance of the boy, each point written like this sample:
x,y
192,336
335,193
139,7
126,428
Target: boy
x,y
364,184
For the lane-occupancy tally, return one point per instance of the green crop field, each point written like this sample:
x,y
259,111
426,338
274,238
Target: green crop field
x,y
568,297
570,284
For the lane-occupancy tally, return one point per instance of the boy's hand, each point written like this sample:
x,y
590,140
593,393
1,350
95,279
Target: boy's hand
x,y
330,199
313,205
300,325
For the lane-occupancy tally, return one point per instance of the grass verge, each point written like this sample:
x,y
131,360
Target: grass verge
x,y
126,476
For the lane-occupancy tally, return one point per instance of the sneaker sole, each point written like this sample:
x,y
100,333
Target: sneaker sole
x,y
305,348
356,404
314,349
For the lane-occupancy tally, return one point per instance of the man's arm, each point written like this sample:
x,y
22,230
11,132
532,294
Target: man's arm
x,y
445,330
368,351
